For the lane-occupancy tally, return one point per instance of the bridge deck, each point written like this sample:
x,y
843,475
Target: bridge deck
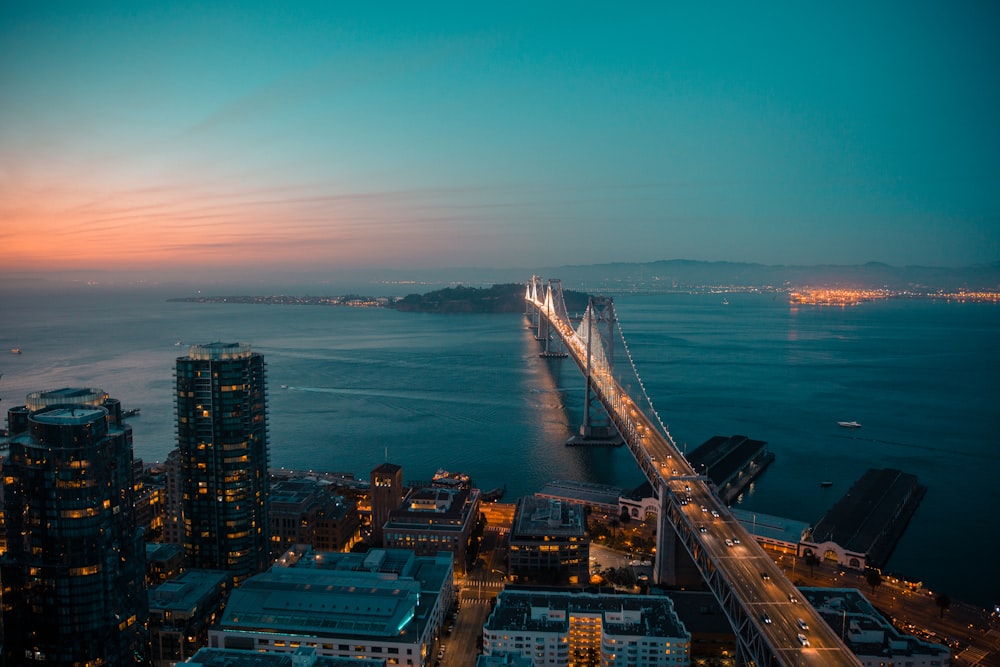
x,y
764,608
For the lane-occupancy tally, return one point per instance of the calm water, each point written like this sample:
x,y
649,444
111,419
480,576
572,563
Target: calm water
x,y
470,393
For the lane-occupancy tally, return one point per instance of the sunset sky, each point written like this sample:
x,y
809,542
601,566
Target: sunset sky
x,y
251,137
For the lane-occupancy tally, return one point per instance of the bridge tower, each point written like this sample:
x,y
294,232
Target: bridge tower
x,y
542,325
597,330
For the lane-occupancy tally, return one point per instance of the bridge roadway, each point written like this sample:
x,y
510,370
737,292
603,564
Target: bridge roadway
x,y
764,608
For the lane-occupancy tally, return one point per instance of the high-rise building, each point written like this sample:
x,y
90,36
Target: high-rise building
x,y
74,571
386,495
222,440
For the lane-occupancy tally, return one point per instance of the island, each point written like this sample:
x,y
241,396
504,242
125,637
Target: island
x,y
505,298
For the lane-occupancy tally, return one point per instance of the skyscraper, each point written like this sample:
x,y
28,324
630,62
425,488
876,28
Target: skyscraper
x,y
222,439
73,575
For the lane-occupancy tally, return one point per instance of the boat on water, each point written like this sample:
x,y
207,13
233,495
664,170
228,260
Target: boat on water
x,y
825,484
849,424
131,412
15,350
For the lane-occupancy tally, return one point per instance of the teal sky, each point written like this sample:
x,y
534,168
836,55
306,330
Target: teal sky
x,y
254,136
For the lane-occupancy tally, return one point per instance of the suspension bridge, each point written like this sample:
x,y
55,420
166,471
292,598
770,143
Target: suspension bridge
x,y
773,625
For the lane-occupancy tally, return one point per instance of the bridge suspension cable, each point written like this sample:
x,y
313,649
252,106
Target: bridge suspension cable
x,y
760,603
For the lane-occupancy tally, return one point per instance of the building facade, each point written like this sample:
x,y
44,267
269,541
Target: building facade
x,y
385,604
222,440
434,519
180,613
555,628
306,511
74,570
549,543
385,494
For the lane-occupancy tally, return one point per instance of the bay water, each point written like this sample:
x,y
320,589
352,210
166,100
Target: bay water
x,y
350,388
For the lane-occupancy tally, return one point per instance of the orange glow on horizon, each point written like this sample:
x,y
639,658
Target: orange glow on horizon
x,y
67,229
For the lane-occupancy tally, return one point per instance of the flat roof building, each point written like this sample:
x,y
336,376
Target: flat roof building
x,y
433,519
872,638
181,611
308,511
600,497
387,603
773,532
549,543
163,561
504,660
301,657
576,628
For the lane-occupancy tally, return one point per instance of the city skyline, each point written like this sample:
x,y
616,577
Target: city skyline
x,y
253,139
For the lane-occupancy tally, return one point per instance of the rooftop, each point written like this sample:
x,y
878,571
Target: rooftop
x,y
184,593
324,603
864,628
770,526
872,503
723,456
585,493
442,507
77,416
220,351
302,657
37,400
545,516
550,611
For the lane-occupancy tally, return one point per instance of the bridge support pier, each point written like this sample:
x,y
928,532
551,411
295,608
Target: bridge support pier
x,y
674,565
667,544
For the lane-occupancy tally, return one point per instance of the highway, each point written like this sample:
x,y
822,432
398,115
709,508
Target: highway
x,y
770,621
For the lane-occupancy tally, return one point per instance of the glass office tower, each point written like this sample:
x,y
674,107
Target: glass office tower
x,y
222,439
74,571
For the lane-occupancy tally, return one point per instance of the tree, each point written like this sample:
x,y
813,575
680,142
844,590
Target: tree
x,y
943,602
614,523
873,578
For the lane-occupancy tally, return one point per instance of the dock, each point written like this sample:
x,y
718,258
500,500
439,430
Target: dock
x,y
862,528
732,463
